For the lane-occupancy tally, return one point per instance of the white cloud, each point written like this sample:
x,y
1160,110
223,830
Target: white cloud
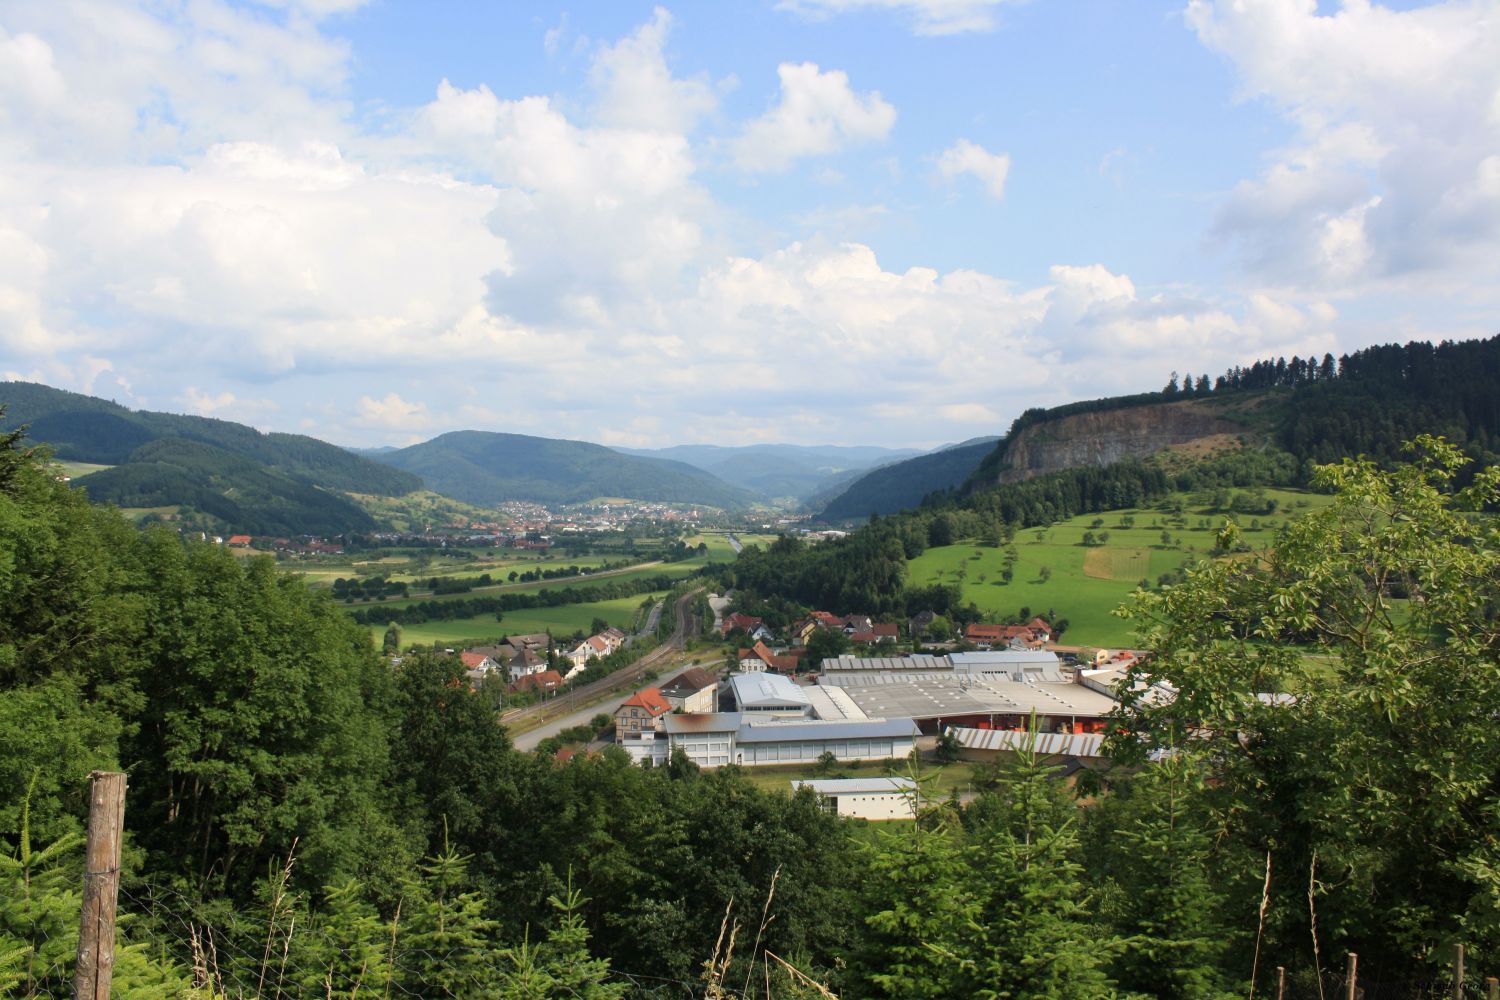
x,y
636,88
393,413
965,157
928,17
1399,121
817,113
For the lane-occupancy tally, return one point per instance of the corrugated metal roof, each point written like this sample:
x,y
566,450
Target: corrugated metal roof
x,y
1047,744
1007,656
858,786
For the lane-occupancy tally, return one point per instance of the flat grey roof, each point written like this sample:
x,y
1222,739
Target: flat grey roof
x,y
932,697
701,722
920,661
770,731
859,786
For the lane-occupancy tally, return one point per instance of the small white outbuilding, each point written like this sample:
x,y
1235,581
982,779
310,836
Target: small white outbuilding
x,y
866,798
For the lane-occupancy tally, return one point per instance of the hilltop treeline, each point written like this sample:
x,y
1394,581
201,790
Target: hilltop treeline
x,y
1367,402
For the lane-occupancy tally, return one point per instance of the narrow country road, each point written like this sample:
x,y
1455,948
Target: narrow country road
x,y
604,695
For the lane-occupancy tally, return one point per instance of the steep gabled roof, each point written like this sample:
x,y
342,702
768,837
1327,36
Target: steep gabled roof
x,y
650,699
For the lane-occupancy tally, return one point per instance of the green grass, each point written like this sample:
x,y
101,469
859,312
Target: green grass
x,y
944,779
75,469
562,621
1086,600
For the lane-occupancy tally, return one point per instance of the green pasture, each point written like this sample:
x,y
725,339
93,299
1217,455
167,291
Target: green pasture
x,y
408,569
75,469
562,621
943,778
1085,584
674,570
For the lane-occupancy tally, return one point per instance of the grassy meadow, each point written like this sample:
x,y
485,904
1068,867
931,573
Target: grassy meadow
x,y
562,621
1055,574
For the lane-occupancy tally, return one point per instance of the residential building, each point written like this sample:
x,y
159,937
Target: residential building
x,y
640,713
693,690
544,681
760,657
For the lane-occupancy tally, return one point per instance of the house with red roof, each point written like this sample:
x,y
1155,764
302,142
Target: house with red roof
x,y
759,657
545,681
640,713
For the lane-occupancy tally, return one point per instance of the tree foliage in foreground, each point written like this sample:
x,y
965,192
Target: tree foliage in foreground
x,y
1375,775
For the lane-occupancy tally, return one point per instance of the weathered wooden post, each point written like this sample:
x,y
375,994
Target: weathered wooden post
x,y
101,886
1280,982
1458,972
1492,988
1352,976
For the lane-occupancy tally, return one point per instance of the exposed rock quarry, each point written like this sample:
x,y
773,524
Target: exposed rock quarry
x,y
1102,438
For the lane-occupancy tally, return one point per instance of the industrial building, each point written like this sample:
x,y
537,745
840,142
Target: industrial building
x,y
714,739
1003,689
866,798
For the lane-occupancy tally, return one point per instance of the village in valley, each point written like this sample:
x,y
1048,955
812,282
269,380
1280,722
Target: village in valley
x,y
774,703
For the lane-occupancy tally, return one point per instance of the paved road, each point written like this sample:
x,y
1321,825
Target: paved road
x,y
606,694
734,543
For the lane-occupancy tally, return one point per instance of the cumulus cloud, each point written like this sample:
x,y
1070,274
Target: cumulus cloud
x,y
817,113
965,157
637,89
927,17
393,413
1396,172
189,208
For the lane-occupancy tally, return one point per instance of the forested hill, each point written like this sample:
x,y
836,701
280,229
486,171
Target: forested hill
x,y
903,484
486,468
83,428
1366,402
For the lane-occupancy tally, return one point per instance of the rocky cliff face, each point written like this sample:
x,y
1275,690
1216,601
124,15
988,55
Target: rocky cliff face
x,y
1102,438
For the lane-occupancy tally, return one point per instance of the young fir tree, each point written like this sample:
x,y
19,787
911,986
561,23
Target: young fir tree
x,y
915,901
1154,847
1029,934
443,943
561,967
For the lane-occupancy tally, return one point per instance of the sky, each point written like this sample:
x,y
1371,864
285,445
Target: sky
x,y
894,222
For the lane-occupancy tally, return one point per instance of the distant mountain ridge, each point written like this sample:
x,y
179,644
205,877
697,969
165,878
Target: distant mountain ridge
x,y
487,468
242,479
781,471
901,485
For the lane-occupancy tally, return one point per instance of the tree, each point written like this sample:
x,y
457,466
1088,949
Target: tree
x,y
391,644
598,625
1044,574
825,643
1371,774
948,749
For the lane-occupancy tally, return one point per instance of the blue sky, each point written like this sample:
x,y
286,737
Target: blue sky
x,y
894,222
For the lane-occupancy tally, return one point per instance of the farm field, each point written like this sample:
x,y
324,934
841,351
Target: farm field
x,y
562,621
405,568
675,570
1085,584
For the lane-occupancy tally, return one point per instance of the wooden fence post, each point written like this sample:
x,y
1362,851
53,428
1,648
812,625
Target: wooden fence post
x,y
1458,972
1492,988
101,886
1352,976
1280,982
